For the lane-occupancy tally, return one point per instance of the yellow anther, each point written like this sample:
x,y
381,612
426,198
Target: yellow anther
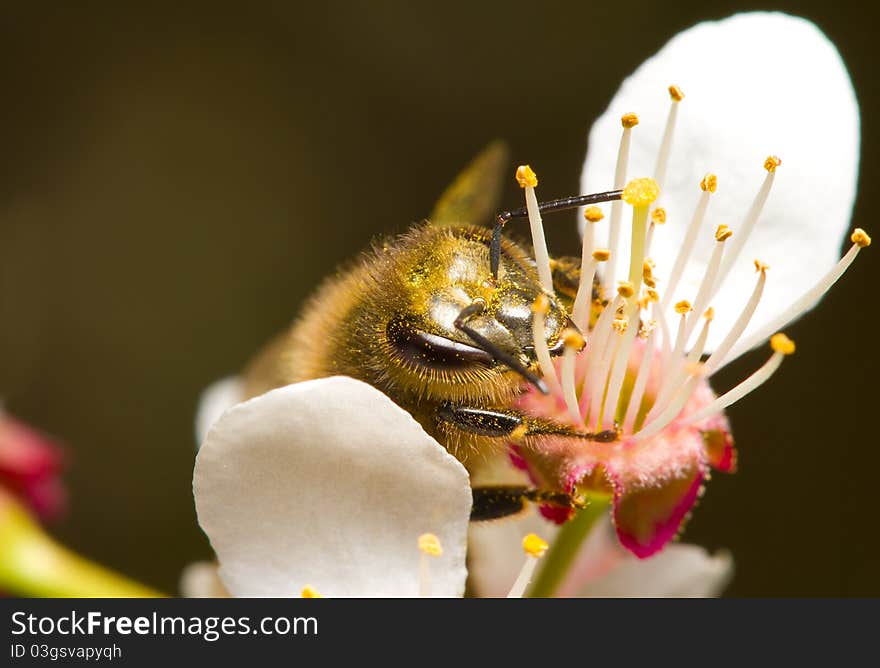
x,y
771,163
573,338
782,344
709,314
695,368
860,238
652,295
723,233
620,325
683,307
626,289
641,192
430,544
629,120
526,177
310,592
675,93
658,215
593,214
761,266
541,305
535,546
709,183
601,254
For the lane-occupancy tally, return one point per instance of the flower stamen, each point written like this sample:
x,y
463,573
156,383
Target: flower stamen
x,y
860,240
574,343
528,181
708,185
534,547
663,154
540,308
430,547
628,121
748,224
580,313
742,322
782,346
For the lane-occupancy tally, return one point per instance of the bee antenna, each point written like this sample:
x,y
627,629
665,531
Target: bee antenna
x,y
561,204
475,308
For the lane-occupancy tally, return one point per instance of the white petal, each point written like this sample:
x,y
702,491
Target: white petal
x,y
602,567
677,571
215,399
756,84
329,484
200,580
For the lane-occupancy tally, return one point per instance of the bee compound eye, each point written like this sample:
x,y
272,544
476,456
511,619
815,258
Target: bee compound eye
x,y
422,348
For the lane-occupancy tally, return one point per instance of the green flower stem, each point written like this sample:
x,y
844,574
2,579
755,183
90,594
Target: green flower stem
x,y
32,564
556,563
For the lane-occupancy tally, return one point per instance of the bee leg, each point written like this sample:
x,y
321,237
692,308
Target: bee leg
x,y
495,502
500,423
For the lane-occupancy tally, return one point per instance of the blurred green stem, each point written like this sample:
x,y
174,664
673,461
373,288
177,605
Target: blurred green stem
x,y
32,564
558,560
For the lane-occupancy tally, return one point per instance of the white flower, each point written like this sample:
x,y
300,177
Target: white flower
x,y
757,84
328,484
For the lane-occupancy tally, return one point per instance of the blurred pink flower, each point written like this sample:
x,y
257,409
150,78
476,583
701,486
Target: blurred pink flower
x,y
30,468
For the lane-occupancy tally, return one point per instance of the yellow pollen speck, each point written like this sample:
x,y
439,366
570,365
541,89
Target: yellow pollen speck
x,y
646,329
771,163
652,295
709,314
519,433
626,289
526,177
541,305
310,592
675,93
723,233
782,344
641,192
535,546
629,120
761,266
601,254
593,214
683,307
430,544
573,338
658,215
620,325
860,238
709,183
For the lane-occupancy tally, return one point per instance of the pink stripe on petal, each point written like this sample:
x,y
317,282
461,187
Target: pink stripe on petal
x,y
646,519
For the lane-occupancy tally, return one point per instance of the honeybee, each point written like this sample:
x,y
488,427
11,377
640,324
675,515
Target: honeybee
x,y
440,320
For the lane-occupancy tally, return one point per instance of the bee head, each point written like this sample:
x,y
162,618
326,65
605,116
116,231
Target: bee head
x,y
465,319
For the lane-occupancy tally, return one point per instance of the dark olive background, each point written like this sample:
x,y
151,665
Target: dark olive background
x,y
174,182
